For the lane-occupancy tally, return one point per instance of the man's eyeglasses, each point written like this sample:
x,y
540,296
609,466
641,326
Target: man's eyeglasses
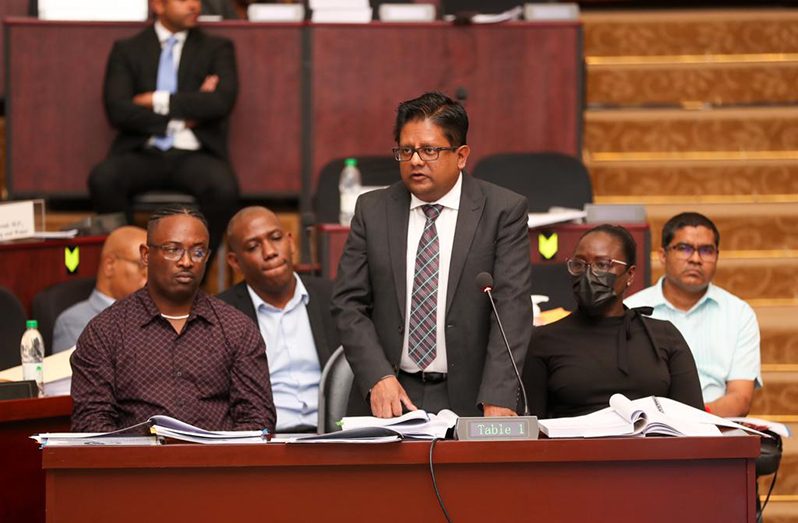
x,y
685,251
174,252
578,267
427,153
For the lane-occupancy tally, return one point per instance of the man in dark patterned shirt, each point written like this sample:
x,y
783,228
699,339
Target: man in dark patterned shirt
x,y
170,348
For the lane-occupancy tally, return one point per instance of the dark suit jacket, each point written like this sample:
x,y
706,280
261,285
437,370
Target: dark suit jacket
x,y
133,69
321,324
370,292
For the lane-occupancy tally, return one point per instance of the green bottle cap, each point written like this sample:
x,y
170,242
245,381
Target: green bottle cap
x,y
32,324
350,162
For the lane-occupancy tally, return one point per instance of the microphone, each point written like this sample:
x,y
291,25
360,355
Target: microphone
x,y
485,283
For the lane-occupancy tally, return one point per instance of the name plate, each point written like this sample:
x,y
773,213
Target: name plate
x,y
496,428
17,220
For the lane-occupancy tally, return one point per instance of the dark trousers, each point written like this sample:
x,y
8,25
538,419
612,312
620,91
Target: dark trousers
x,y
210,180
431,397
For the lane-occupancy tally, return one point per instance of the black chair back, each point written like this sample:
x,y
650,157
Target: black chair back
x,y
12,325
55,299
374,170
546,179
334,388
553,280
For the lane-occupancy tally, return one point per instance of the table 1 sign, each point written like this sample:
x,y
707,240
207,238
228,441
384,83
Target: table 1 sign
x,y
496,428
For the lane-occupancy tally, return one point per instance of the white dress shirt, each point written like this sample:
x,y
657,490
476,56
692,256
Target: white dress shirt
x,y
294,366
445,225
184,138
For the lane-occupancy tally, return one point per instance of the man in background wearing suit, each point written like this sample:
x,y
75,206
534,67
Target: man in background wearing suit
x,y
169,91
416,329
292,312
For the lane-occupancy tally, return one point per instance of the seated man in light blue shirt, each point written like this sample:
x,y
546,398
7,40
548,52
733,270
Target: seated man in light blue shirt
x,y
121,273
720,328
292,312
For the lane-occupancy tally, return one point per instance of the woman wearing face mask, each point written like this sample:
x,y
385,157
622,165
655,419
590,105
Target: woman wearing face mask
x,y
574,365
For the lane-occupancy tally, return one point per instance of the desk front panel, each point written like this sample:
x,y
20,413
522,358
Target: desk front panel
x,y
653,480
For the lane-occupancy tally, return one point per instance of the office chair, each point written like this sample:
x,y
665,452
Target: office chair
x,y
546,179
334,387
55,299
374,170
553,280
12,325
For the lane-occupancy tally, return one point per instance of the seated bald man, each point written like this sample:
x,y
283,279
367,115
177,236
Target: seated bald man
x,y
121,272
291,311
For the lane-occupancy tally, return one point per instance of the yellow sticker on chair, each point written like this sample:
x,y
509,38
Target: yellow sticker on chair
x,y
548,246
72,259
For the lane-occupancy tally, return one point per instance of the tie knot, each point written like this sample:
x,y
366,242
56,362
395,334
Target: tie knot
x,y
432,211
170,42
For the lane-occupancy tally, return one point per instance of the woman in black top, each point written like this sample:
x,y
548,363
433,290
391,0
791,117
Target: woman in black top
x,y
576,364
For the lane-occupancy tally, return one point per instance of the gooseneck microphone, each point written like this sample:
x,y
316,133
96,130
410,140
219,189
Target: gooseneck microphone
x,y
485,283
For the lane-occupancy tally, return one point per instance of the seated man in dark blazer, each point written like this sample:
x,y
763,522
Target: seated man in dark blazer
x,y
169,91
292,313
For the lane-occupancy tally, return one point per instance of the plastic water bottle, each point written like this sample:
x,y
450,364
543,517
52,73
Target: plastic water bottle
x,y
31,351
349,189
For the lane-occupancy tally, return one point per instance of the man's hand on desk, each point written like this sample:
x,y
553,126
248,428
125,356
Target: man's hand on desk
x,y
494,410
387,397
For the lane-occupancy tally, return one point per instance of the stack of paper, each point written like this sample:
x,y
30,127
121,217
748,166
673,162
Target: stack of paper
x,y
145,433
416,424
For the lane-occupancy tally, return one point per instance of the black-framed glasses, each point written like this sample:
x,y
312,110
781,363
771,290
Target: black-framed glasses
x,y
427,153
175,252
578,267
685,251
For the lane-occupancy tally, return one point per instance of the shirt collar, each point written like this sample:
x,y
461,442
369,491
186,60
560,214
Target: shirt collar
x,y
300,296
100,300
450,200
164,33
659,298
200,308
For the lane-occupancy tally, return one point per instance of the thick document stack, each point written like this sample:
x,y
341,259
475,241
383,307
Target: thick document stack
x,y
651,415
156,430
417,424
340,11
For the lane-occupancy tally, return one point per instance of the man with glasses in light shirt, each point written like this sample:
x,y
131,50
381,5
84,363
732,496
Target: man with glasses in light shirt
x,y
720,328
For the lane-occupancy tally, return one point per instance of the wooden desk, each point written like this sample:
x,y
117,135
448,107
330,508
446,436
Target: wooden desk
x,y
614,480
308,94
331,239
27,267
21,474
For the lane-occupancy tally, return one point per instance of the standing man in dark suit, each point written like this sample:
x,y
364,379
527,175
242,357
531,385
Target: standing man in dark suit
x,y
292,312
169,91
416,329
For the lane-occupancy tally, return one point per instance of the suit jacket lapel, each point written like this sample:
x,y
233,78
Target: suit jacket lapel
x,y
150,56
315,315
187,56
397,213
472,203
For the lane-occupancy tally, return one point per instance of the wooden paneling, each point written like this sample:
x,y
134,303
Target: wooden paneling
x,y
8,8
522,82
521,85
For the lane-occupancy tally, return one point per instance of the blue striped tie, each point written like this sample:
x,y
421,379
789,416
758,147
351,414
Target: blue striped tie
x,y
422,335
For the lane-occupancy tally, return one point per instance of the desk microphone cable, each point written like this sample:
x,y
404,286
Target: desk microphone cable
x,y
435,482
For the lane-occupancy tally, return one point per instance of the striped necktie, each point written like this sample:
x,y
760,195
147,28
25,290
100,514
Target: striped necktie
x,y
424,300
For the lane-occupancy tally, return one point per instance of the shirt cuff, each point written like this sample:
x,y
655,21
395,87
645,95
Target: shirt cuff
x,y
160,102
175,126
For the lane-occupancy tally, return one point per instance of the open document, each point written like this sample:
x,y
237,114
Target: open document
x,y
416,424
155,430
649,415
